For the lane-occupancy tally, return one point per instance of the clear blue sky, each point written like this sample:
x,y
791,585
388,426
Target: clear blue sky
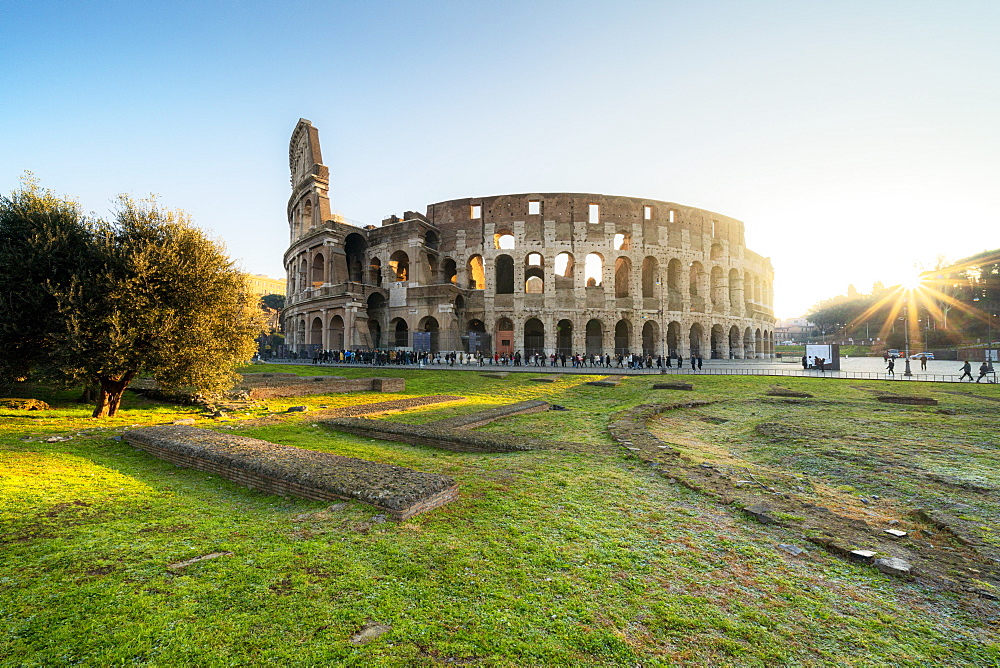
x,y
853,138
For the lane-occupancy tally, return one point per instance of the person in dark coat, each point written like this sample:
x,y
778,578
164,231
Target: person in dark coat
x,y
699,362
984,369
966,371
890,366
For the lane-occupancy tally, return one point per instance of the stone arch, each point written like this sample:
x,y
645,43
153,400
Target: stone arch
x,y
564,265
477,273
503,240
623,276
735,292
673,338
718,289
477,339
307,216
374,334
375,271
449,271
399,264
355,247
734,343
696,339
336,333
675,298
505,336
431,239
718,342
316,332
318,271
695,278
757,344
564,337
595,337
504,274
428,325
623,337
651,338
650,277
534,337
400,333
622,241
534,274
593,268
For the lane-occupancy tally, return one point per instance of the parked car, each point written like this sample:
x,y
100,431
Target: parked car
x,y
916,356
893,353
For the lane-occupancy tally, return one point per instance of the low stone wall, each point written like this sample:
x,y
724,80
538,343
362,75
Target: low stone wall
x,y
322,385
446,439
480,418
286,470
913,401
673,386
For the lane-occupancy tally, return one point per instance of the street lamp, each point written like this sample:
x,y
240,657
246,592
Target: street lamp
x,y
906,332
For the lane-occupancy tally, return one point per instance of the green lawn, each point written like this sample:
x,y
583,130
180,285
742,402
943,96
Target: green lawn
x,y
557,557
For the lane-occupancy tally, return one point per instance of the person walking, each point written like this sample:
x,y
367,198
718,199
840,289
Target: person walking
x,y
966,371
694,363
923,362
984,369
699,362
890,366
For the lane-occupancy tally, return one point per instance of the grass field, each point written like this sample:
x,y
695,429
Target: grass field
x,y
581,556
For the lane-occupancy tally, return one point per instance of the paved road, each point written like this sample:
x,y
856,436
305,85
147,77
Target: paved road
x,y
869,368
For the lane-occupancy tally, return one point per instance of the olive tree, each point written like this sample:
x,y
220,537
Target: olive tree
x,y
146,293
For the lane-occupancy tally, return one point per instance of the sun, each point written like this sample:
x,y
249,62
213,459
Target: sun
x,y
912,281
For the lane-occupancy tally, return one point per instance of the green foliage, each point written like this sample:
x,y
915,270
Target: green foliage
x,y
144,293
276,302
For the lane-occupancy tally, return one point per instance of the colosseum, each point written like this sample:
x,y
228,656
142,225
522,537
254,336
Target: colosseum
x,y
530,273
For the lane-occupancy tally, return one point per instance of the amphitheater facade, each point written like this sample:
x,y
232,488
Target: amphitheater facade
x,y
530,273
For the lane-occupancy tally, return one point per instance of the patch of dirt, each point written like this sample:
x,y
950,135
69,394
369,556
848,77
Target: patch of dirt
x,y
838,521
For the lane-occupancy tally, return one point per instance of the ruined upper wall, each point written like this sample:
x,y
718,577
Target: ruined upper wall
x,y
567,217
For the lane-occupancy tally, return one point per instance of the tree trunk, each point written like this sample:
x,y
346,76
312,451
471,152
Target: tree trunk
x,y
110,396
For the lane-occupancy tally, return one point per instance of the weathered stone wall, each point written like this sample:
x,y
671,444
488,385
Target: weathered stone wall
x,y
321,385
286,470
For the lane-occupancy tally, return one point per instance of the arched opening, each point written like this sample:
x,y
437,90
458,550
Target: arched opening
x,y
534,275
431,267
374,334
449,271
400,333
735,292
478,341
316,333
505,336
534,337
564,337
718,289
303,273
459,303
593,270
674,338
431,239
355,247
595,337
651,338
504,275
336,333
694,287
477,274
399,265
307,216
674,296
564,271
623,274
318,268
375,271
503,240
650,277
695,339
425,338
623,337
758,347
622,241
718,342
734,342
